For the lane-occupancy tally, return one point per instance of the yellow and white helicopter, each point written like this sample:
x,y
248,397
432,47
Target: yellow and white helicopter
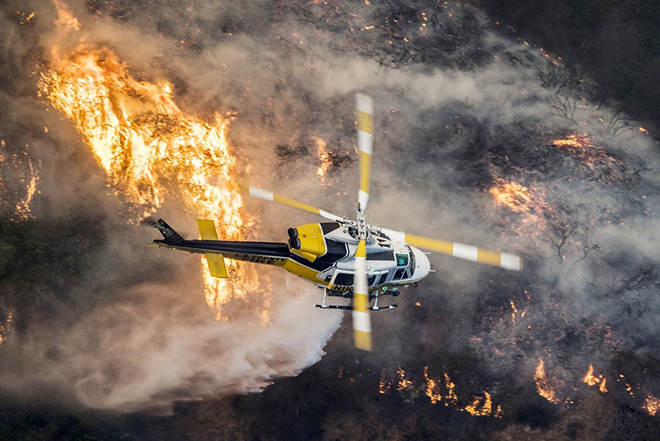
x,y
346,257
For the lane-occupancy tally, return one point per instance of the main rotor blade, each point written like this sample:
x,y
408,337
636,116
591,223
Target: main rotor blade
x,y
365,113
361,317
462,251
271,197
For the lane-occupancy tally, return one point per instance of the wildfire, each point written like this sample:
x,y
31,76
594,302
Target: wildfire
x,y
22,210
441,390
483,406
435,392
512,195
151,150
65,19
5,329
514,311
652,405
384,386
324,157
592,380
543,386
403,381
582,148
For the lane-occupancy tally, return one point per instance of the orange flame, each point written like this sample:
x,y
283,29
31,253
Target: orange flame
x,y
5,329
403,380
543,386
479,409
384,386
435,392
514,311
152,150
652,405
593,380
512,195
324,157
22,209
582,148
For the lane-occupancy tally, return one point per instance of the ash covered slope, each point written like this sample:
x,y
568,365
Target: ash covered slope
x,y
480,139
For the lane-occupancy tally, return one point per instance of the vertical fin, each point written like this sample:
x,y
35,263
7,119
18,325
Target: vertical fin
x,y
215,261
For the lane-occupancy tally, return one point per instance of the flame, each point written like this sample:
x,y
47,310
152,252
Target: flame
x,y
65,19
403,380
582,148
530,203
481,406
550,57
652,405
22,210
512,195
434,391
5,329
24,17
543,386
592,380
514,311
151,150
324,157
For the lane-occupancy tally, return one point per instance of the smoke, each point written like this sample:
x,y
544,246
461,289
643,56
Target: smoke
x,y
458,106
159,343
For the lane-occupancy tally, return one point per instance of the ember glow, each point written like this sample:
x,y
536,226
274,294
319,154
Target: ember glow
x,y
5,328
582,148
23,206
543,386
652,405
152,150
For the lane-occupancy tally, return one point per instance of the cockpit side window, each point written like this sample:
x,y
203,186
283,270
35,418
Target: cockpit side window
x,y
387,255
401,259
344,279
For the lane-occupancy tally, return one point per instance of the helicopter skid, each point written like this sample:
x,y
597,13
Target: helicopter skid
x,y
350,308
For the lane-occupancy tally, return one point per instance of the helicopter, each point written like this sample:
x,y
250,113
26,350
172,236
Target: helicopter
x,y
347,258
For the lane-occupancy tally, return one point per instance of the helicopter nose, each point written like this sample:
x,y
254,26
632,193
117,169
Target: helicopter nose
x,y
422,264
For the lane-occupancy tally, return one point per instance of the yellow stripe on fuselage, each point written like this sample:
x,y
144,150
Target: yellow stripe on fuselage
x,y
302,271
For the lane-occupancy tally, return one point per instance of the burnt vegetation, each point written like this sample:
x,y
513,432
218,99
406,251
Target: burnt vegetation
x,y
489,344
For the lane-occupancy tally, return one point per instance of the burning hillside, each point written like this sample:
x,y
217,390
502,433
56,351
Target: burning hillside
x,y
478,138
152,150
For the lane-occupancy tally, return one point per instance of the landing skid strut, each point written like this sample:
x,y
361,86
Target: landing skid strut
x,y
325,305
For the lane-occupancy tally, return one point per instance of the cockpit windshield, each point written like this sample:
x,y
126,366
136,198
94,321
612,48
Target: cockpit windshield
x,y
401,259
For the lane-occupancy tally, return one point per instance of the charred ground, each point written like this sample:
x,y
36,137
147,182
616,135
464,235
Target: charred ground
x,y
585,297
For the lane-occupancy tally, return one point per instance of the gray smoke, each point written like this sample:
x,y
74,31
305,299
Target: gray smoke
x,y
458,106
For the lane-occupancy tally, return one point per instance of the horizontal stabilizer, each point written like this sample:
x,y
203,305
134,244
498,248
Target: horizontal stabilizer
x,y
217,266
